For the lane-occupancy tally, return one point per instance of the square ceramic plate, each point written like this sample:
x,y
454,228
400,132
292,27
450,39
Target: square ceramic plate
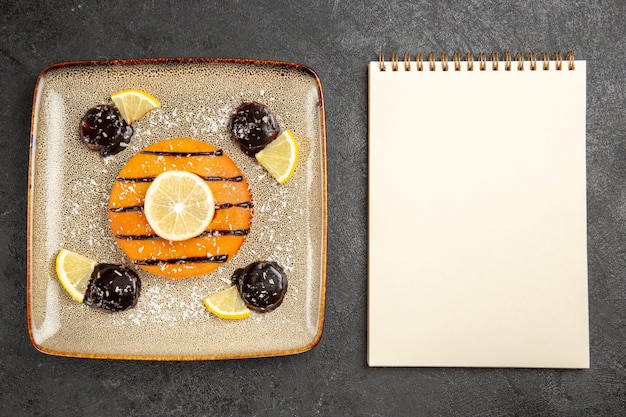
x,y
69,188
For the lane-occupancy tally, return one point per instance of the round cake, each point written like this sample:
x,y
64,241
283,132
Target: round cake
x,y
196,256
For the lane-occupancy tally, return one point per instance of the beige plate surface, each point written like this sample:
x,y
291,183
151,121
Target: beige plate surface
x,y
69,188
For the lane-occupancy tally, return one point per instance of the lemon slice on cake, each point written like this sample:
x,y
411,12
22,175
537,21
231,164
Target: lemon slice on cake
x,y
280,157
227,304
133,104
74,272
179,205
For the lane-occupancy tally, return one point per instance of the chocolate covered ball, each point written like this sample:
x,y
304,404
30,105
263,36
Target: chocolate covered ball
x,y
262,285
112,288
103,129
253,126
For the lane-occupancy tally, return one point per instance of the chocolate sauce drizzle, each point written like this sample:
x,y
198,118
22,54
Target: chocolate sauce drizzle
x,y
238,178
125,209
182,261
228,232
139,179
214,178
218,152
245,204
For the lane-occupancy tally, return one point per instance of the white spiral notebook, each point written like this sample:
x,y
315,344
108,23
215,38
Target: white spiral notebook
x,y
477,212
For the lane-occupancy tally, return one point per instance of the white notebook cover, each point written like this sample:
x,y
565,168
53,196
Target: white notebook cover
x,y
477,217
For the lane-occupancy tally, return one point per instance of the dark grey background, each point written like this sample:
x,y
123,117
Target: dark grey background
x,y
337,39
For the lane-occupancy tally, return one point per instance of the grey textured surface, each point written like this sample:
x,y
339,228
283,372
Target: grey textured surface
x,y
336,39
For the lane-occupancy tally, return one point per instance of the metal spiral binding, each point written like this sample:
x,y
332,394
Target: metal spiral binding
x,y
520,58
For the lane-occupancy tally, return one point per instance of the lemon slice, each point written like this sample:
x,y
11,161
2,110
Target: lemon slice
x,y
227,304
74,272
179,205
134,104
279,158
